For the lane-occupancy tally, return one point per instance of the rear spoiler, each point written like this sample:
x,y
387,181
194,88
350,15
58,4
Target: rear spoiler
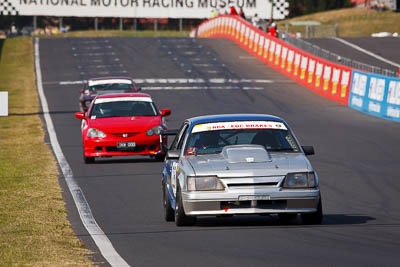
x,y
169,132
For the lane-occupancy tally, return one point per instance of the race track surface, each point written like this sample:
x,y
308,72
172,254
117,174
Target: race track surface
x,y
357,158
387,48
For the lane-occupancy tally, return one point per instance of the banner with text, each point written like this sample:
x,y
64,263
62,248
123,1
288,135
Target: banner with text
x,y
377,95
135,8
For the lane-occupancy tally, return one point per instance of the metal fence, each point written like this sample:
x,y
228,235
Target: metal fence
x,y
323,53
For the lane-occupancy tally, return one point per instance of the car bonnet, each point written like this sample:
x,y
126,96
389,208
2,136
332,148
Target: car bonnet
x,y
279,164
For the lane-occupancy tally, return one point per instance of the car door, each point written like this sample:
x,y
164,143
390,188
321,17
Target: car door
x,y
170,166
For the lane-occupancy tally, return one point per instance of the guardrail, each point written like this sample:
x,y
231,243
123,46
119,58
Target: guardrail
x,y
323,53
325,77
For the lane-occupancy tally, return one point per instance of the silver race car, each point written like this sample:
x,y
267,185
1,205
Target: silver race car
x,y
239,164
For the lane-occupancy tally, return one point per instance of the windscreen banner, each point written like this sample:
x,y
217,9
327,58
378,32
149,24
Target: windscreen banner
x,y
137,8
374,94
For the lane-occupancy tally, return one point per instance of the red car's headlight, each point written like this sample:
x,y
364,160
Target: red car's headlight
x,y
95,133
154,131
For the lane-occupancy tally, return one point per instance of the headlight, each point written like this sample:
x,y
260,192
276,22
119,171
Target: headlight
x,y
300,180
154,131
93,133
205,183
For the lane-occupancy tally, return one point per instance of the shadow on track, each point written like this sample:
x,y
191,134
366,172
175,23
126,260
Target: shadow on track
x,y
256,222
145,159
270,220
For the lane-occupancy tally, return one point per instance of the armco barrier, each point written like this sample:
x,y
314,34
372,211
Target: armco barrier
x,y
376,95
323,77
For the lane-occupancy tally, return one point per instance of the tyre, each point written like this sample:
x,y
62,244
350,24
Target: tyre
x,y
160,157
169,215
88,160
287,218
181,219
315,217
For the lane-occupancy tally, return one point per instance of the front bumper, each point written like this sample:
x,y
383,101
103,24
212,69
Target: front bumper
x,y
149,145
272,201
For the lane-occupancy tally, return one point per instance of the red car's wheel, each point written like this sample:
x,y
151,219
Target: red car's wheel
x,y
160,157
88,160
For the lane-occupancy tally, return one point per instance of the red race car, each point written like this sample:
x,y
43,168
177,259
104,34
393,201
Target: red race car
x,y
105,85
123,124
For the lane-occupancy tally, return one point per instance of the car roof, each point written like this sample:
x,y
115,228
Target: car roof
x,y
110,78
233,117
124,95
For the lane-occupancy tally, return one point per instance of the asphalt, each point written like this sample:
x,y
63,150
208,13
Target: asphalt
x,y
387,47
356,158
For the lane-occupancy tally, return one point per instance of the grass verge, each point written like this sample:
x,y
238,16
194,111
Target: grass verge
x,y
354,22
34,229
117,33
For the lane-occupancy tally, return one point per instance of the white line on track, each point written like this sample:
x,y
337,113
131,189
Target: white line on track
x,y
367,52
181,81
101,240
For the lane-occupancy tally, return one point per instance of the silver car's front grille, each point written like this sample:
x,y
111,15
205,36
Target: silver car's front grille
x,y
252,185
260,204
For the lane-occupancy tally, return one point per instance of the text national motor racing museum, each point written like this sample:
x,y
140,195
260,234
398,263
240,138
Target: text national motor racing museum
x,y
139,8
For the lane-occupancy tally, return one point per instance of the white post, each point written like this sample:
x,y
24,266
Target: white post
x,y
3,103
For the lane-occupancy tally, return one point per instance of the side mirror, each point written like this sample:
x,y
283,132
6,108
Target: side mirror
x,y
308,150
173,154
80,115
165,112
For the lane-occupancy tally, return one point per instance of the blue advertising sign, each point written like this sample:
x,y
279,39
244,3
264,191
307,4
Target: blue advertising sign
x,y
375,94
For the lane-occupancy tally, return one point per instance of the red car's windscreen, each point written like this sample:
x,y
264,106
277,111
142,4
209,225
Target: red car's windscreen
x,y
123,109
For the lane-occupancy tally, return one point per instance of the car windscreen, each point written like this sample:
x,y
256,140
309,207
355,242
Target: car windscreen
x,y
110,87
213,141
123,109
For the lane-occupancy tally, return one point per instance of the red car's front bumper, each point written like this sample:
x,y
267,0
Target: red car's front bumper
x,y
145,145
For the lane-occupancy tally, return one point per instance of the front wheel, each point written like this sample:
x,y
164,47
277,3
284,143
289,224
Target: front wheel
x,y
168,211
181,219
287,218
88,160
315,217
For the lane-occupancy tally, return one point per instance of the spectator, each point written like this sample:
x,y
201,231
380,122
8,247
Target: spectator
x,y
213,13
14,29
233,10
272,29
241,14
255,20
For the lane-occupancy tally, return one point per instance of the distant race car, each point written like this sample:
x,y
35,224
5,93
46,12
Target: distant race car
x,y
123,124
105,85
239,164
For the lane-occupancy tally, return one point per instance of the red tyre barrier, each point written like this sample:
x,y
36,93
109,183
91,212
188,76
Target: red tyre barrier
x,y
325,78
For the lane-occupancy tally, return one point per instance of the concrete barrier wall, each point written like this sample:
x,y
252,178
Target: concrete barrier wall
x,y
328,79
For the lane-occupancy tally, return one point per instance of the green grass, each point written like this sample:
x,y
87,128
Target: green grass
x,y
354,22
117,33
34,230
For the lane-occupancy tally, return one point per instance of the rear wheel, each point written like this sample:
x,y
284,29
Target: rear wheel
x,y
315,217
168,211
181,219
88,160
